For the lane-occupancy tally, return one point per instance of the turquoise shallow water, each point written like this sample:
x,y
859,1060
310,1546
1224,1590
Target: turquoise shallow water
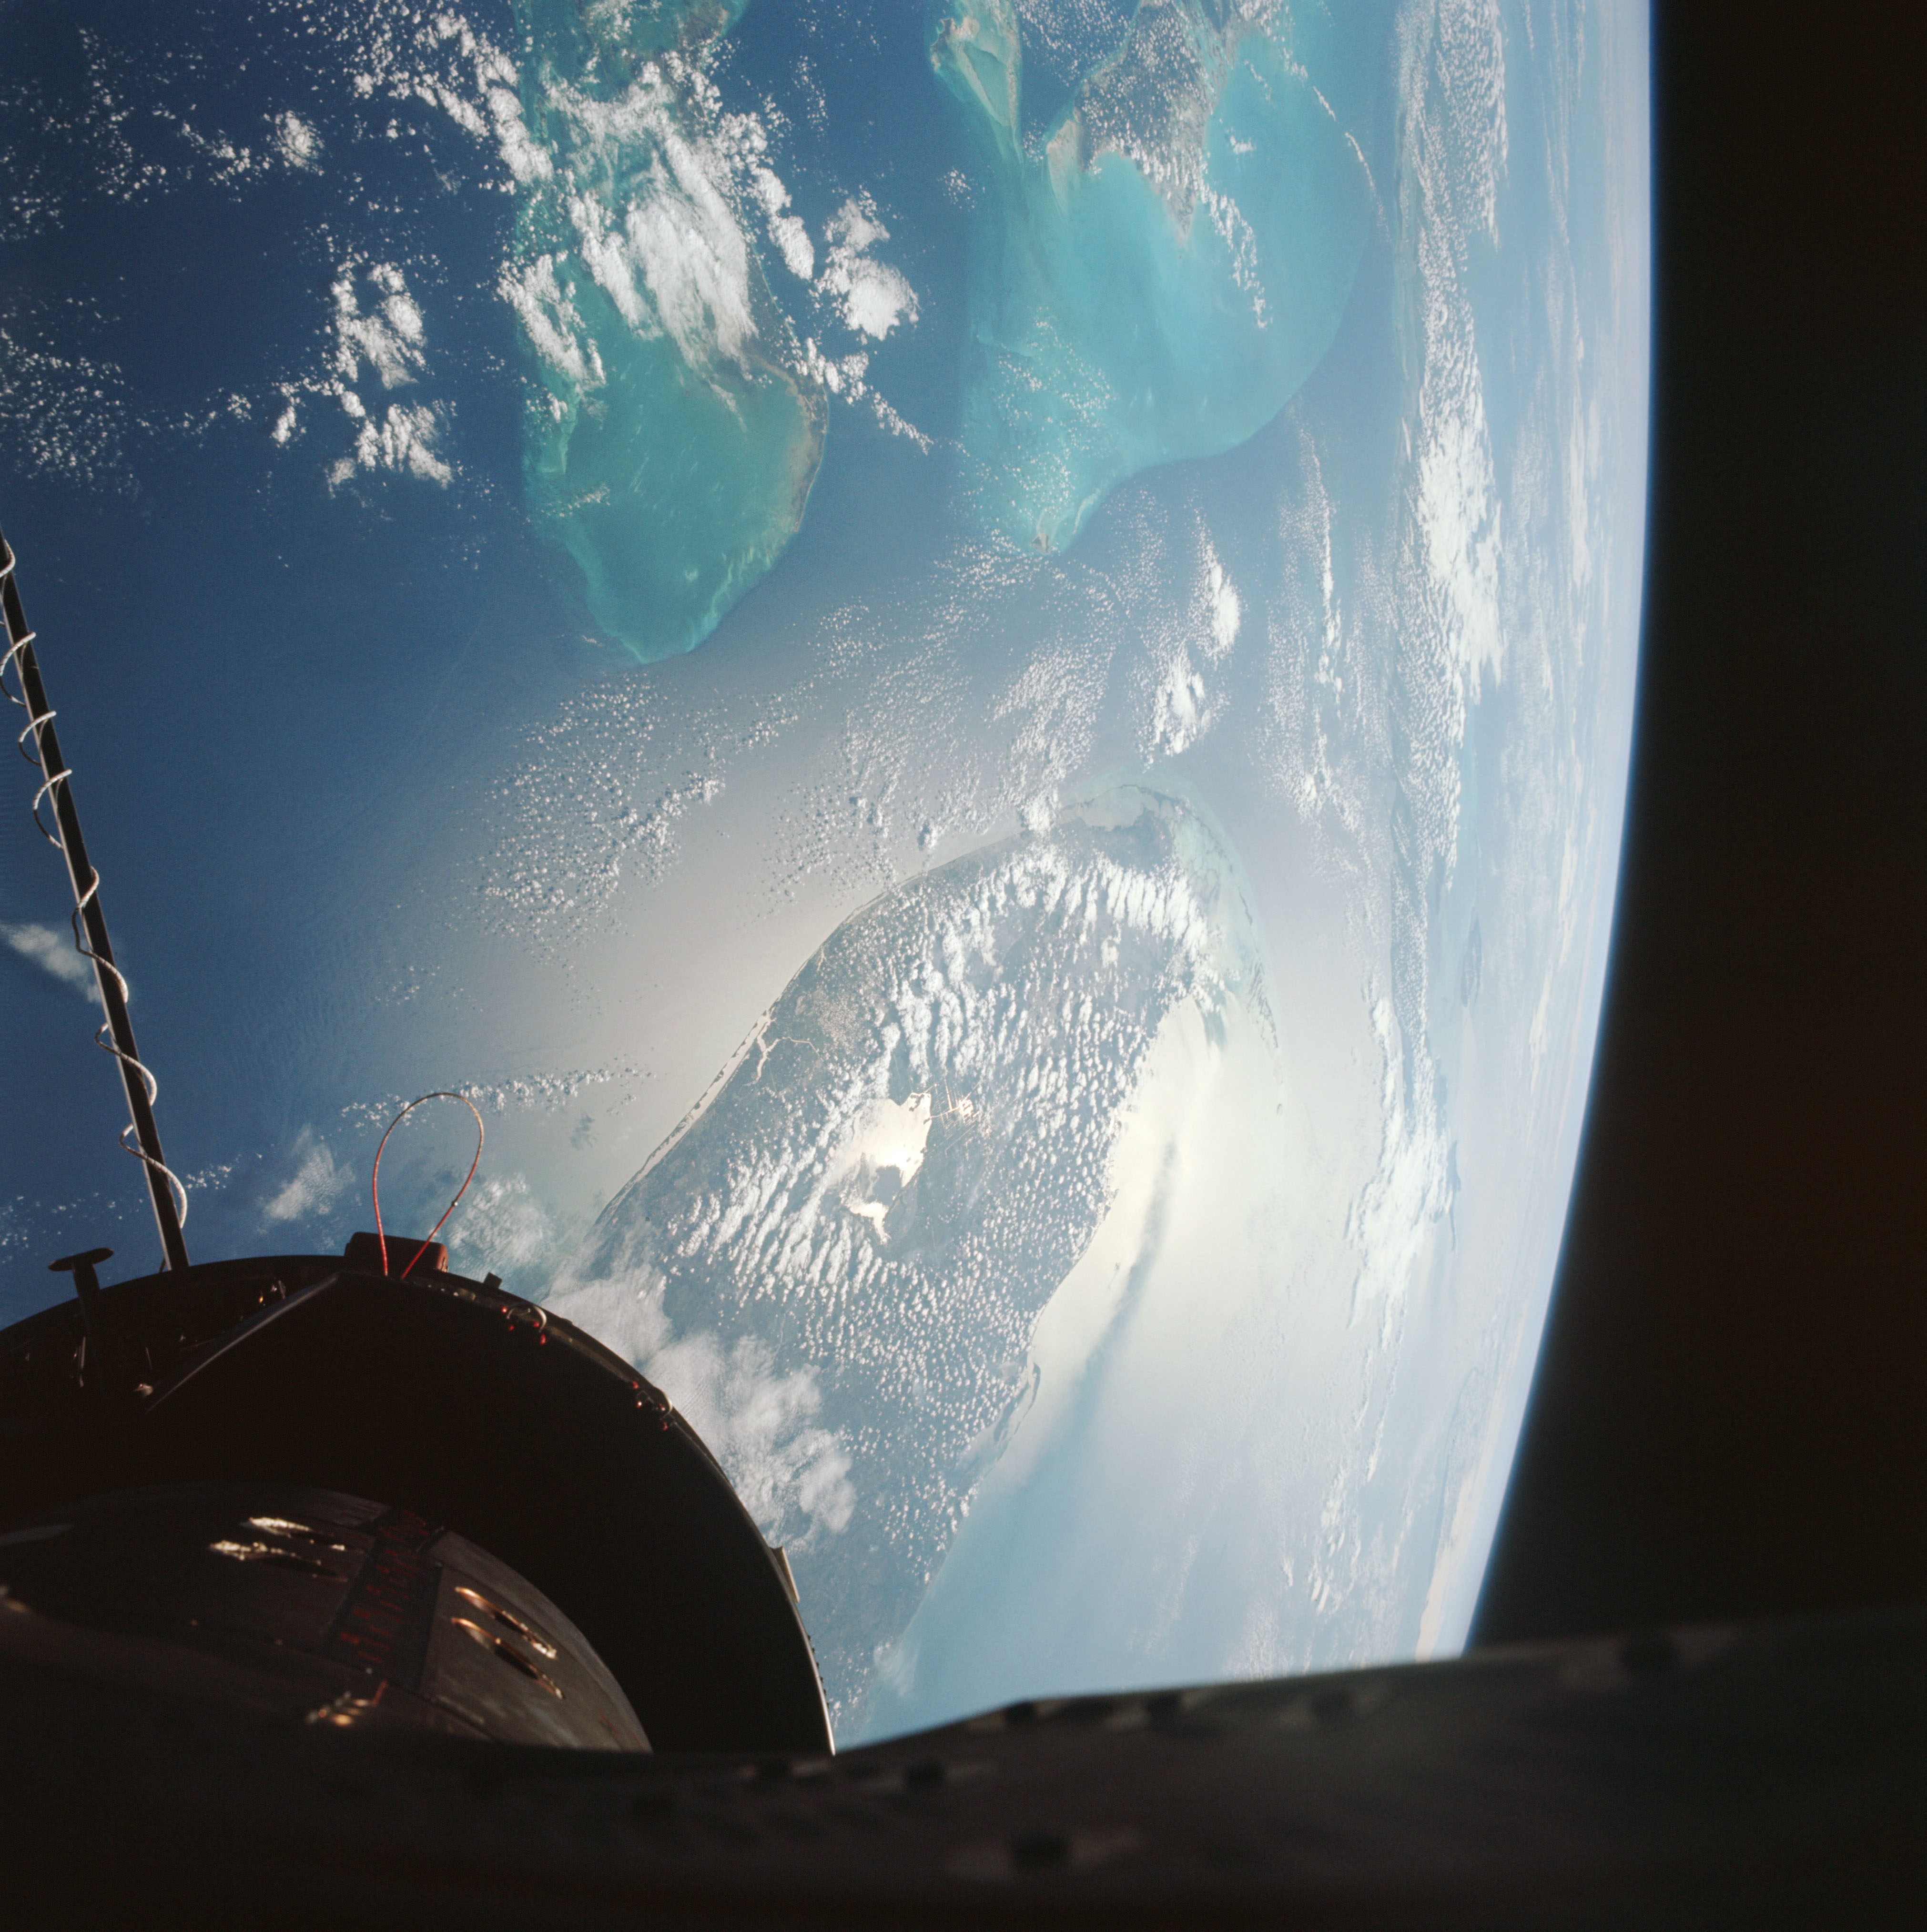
x,y
1151,280
1157,277
670,440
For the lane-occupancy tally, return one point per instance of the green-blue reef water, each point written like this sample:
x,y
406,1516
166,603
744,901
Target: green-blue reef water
x,y
1155,277
672,436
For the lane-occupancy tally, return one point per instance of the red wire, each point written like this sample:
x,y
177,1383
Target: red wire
x,y
440,1093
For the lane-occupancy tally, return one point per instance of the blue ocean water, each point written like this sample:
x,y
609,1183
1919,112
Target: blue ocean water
x,y
1157,276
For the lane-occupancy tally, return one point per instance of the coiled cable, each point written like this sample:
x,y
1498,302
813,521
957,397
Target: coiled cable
x,y
141,1137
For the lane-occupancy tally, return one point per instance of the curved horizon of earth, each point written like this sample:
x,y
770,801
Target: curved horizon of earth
x,y
1169,838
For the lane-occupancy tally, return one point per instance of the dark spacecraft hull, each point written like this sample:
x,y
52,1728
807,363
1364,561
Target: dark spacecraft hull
x,y
1762,1778
476,1411
191,1739
288,1606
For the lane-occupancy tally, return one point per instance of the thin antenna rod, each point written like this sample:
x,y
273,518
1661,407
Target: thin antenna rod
x,y
116,1037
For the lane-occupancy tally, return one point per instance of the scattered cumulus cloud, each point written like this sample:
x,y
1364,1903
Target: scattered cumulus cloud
x,y
546,311
291,142
1181,710
297,143
787,234
379,335
677,251
316,1183
1181,714
501,1225
65,416
870,296
52,951
1392,1218
388,336
1223,611
150,131
793,1474
403,441
665,241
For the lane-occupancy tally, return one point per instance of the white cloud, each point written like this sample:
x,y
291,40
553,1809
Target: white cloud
x,y
52,951
1223,608
879,1155
522,158
547,312
673,257
793,1475
1392,1216
297,143
847,376
316,1183
1181,709
404,440
379,331
389,337
1181,715
500,1225
693,257
787,231
482,101
871,297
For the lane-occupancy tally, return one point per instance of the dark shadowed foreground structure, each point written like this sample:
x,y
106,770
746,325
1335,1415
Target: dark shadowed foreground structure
x,y
328,1593
1707,1778
153,1435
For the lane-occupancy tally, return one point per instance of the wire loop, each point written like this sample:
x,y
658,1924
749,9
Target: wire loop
x,y
375,1184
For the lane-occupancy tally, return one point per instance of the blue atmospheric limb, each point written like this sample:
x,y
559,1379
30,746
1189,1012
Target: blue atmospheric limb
x,y
673,433
1155,277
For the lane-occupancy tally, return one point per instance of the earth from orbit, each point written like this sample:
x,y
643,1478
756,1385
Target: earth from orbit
x,y
970,663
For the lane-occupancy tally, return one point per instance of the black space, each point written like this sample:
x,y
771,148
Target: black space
x,y
1729,1417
